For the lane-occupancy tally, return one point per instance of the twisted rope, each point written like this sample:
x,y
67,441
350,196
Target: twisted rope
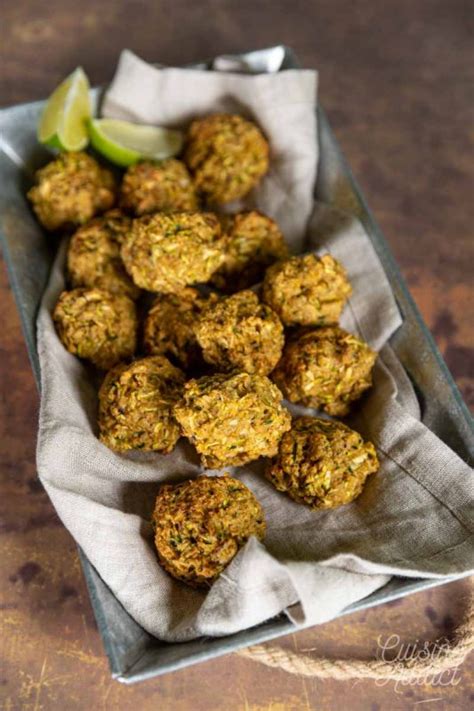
x,y
444,655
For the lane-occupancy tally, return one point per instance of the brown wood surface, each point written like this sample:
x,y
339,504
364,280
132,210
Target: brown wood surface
x,y
395,78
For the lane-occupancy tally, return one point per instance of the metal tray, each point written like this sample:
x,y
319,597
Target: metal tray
x,y
135,655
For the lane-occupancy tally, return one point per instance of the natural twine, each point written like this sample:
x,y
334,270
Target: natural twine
x,y
444,655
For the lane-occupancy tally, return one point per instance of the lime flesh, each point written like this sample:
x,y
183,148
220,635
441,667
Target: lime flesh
x,y
125,143
63,123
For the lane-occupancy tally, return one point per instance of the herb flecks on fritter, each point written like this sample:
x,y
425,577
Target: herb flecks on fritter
x,y
152,187
240,333
170,326
201,524
254,242
232,419
326,368
165,252
307,290
321,463
227,156
94,259
96,325
136,405
70,190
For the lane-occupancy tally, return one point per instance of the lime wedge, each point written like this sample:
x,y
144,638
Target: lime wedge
x,y
125,143
63,122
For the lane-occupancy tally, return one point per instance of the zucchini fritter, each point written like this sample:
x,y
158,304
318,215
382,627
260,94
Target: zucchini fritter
x,y
170,326
70,190
93,257
240,333
307,290
325,368
254,241
227,156
152,187
136,405
165,252
97,325
232,419
321,463
201,524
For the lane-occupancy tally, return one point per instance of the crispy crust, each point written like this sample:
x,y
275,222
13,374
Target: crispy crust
x,y
201,524
70,190
232,419
307,290
93,258
240,333
96,325
227,156
117,223
150,187
325,368
254,242
321,463
136,405
165,252
170,325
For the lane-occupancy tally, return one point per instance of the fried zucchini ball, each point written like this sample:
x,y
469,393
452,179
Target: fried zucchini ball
x,y
321,463
170,324
70,190
117,222
227,156
307,290
165,252
325,368
200,526
232,419
136,405
152,187
96,325
240,333
254,242
94,255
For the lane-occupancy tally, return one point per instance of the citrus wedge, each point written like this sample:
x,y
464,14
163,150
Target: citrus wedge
x,y
125,143
63,123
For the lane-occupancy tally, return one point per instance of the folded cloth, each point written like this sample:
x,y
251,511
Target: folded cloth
x,y
414,517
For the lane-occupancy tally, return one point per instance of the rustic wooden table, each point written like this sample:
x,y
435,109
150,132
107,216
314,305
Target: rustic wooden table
x,y
394,79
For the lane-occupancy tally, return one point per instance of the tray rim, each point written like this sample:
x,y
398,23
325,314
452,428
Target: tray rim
x,y
128,675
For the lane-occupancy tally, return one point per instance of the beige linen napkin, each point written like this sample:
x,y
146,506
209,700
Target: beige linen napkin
x,y
414,517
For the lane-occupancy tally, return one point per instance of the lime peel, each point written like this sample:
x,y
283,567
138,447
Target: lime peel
x,y
63,121
125,143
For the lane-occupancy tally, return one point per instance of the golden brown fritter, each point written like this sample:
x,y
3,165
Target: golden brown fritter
x,y
136,405
96,325
326,368
232,419
170,326
94,259
152,187
321,463
227,156
254,241
165,252
70,190
201,524
240,333
117,222
307,290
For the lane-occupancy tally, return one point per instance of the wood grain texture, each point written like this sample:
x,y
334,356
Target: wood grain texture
x,y
395,80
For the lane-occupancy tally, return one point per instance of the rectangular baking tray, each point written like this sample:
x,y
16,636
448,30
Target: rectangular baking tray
x,y
134,655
